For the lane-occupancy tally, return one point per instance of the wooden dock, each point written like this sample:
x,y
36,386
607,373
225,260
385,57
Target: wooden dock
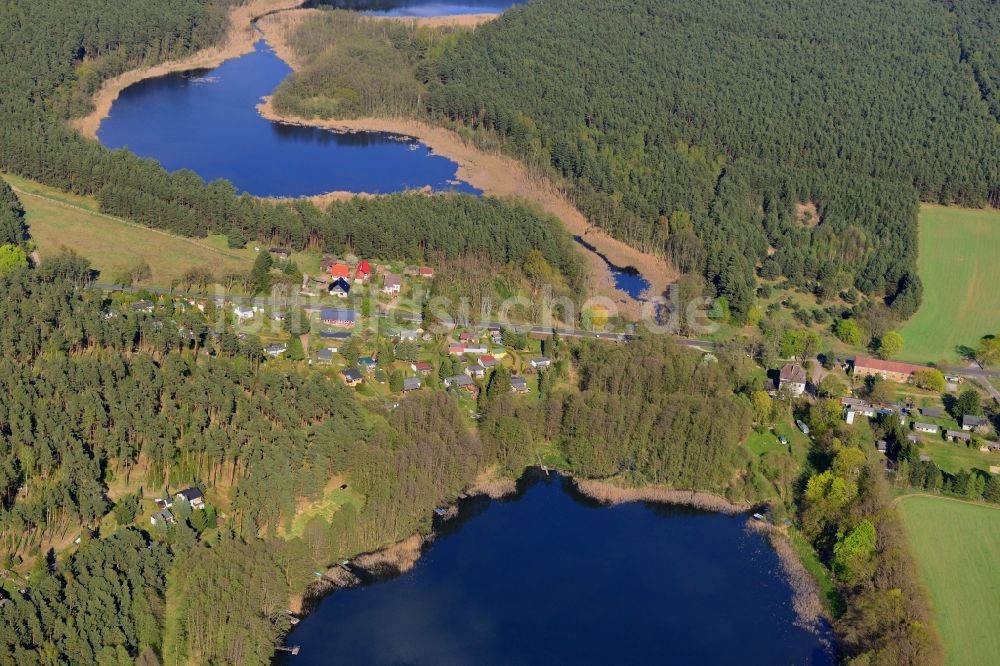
x,y
293,649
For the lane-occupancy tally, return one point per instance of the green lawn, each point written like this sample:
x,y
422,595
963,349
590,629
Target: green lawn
x,y
954,458
956,546
959,268
57,219
333,499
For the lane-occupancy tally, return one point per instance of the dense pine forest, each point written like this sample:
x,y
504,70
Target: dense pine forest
x,y
55,58
737,139
695,129
94,407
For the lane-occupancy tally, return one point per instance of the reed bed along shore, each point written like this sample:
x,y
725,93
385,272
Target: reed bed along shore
x,y
806,600
609,493
239,40
503,176
488,484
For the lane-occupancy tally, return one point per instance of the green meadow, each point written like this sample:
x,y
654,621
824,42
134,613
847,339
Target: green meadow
x,y
959,264
956,545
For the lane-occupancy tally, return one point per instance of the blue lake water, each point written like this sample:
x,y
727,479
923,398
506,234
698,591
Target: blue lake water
x,y
207,121
626,278
419,7
550,577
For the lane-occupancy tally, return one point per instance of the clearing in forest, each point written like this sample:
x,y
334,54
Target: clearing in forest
x,y
956,545
56,219
960,271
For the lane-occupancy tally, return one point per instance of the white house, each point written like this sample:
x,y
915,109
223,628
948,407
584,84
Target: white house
x,y
162,518
392,284
541,362
193,497
792,379
243,312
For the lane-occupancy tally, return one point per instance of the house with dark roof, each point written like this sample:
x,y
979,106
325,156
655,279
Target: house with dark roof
x,y
324,356
338,317
192,496
340,288
792,378
351,376
971,422
460,381
411,383
957,436
275,349
280,253
142,306
518,384
476,371
930,412
162,518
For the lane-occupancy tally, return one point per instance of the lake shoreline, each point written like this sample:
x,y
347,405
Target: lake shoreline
x,y
502,176
400,557
493,174
240,39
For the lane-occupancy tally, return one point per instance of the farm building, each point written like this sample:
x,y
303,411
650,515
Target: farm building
x,y
928,428
892,371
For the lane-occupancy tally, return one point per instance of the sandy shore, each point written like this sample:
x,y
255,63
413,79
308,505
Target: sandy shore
x,y
492,173
610,493
499,175
240,39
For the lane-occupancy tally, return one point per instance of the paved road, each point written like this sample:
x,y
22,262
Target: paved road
x,y
982,376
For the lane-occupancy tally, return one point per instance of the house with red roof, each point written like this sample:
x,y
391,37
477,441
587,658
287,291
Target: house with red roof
x,y
892,371
362,272
340,270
